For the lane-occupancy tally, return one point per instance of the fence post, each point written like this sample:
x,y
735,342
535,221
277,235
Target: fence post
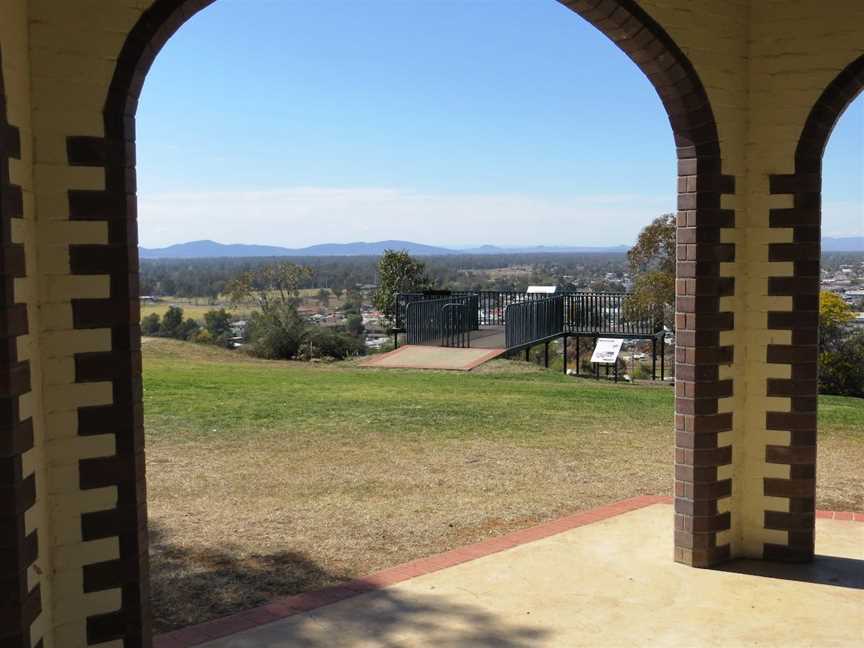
x,y
565,354
654,358
663,357
578,355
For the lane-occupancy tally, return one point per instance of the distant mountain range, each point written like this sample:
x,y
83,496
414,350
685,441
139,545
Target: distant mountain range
x,y
211,249
844,244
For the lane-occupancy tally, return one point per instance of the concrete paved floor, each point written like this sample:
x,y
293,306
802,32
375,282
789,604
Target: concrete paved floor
x,y
490,337
610,583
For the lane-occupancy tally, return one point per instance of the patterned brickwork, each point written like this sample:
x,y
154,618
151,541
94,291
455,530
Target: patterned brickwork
x,y
804,220
87,63
19,604
699,455
700,254
119,312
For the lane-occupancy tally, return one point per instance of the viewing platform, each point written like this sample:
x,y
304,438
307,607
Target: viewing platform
x,y
510,322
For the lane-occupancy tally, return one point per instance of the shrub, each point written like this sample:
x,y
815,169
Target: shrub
x,y
187,330
328,343
172,322
277,333
841,367
150,325
355,325
217,323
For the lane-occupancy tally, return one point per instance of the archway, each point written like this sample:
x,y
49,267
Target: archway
x,y
804,218
699,320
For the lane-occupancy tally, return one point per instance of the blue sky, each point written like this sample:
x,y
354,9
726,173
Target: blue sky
x,y
446,122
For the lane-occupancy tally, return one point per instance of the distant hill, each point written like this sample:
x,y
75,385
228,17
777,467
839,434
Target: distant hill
x,y
212,249
845,244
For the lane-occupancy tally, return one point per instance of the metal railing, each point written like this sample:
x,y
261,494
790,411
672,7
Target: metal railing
x,y
584,313
533,321
445,321
607,313
457,324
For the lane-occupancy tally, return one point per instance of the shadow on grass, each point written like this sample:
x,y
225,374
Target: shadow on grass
x,y
824,570
193,585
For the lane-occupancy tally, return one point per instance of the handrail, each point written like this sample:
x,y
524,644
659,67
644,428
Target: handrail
x,y
585,313
431,321
533,321
456,325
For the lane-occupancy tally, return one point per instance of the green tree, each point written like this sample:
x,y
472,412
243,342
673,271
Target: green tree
x,y
841,350
323,296
652,260
841,368
172,322
276,333
398,272
276,330
834,318
187,330
275,284
217,324
355,325
150,325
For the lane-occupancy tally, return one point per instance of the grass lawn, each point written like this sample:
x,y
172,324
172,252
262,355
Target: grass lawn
x,y
266,479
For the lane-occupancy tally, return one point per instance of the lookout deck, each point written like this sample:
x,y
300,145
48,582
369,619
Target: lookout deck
x,y
433,357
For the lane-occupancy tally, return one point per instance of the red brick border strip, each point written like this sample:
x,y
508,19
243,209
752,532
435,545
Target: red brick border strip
x,y
293,605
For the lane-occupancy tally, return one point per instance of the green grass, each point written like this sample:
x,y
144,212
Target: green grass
x,y
269,478
212,397
203,399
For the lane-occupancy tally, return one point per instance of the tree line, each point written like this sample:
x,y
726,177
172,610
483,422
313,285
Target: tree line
x,y
208,278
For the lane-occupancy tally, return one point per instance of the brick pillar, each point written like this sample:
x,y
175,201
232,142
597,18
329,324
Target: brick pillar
x,y
702,460
19,545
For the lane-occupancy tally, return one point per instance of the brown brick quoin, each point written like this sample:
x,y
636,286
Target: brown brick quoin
x,y
19,605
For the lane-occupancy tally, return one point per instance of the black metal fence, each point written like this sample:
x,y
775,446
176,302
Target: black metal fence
x,y
607,314
533,321
584,313
457,323
446,321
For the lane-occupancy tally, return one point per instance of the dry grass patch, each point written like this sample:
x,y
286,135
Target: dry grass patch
x,y
267,479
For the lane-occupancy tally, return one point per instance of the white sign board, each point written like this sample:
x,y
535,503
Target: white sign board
x,y
542,289
607,350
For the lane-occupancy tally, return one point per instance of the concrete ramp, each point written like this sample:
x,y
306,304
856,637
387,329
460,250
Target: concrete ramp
x,y
432,357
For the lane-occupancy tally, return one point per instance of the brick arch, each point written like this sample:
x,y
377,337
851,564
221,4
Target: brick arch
x,y
699,320
804,219
825,114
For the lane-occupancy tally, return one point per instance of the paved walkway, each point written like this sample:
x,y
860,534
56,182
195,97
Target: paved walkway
x,y
581,581
432,357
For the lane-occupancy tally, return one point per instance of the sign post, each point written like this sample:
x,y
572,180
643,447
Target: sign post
x,y
606,352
